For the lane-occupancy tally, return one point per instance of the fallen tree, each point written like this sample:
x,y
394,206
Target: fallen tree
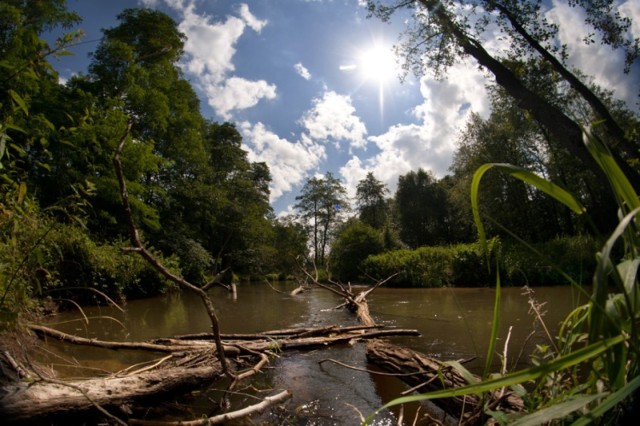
x,y
190,361
356,303
426,374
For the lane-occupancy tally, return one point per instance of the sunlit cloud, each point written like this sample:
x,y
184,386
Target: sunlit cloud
x,y
289,162
209,51
238,94
589,58
302,71
254,23
332,118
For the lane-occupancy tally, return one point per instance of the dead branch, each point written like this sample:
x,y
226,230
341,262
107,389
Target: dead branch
x,y
222,418
436,375
151,259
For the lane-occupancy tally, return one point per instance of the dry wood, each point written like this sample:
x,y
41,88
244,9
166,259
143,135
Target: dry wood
x,y
40,400
299,339
432,375
226,417
139,248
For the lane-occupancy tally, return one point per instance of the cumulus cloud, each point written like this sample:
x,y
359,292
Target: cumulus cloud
x,y
237,94
254,23
289,162
302,71
589,58
430,143
209,51
332,118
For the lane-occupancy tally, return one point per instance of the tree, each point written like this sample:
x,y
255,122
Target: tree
x,y
443,32
321,202
422,208
289,246
355,242
370,198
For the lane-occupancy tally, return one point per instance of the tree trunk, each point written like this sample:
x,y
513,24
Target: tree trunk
x,y
37,402
432,375
564,130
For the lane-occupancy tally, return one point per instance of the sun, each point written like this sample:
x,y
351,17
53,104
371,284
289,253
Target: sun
x,y
378,64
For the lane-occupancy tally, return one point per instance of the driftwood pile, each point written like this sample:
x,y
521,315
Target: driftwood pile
x,y
188,362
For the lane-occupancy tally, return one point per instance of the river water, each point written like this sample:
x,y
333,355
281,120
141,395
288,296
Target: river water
x,y
455,324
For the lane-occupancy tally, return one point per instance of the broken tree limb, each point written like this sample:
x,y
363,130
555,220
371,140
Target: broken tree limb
x,y
355,303
226,417
419,370
308,338
139,248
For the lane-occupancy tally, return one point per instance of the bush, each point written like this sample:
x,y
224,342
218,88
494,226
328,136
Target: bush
x,y
461,264
572,255
354,244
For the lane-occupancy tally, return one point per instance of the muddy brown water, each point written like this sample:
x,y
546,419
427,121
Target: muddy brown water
x,y
455,325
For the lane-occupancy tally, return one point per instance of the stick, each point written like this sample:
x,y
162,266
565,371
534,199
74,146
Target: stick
x,y
222,418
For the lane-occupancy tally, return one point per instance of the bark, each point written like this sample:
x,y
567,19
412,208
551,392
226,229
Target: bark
x,y
564,130
41,400
190,364
139,248
242,344
429,374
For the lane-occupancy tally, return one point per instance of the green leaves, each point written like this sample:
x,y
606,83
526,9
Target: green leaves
x,y
526,176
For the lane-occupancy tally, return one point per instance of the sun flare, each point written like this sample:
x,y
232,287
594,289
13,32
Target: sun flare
x,y
378,63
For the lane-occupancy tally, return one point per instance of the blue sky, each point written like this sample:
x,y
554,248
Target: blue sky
x,y
311,84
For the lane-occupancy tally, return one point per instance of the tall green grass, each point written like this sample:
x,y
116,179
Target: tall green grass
x,y
591,374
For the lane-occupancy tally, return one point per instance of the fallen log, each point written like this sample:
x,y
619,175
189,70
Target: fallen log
x,y
427,374
188,365
37,401
285,340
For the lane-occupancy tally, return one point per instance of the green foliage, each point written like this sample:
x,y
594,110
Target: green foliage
x,y
569,379
355,242
460,264
321,203
370,197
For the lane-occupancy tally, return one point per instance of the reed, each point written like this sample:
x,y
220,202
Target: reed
x,y
592,372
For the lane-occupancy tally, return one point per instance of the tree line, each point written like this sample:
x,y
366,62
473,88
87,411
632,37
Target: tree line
x,y
204,207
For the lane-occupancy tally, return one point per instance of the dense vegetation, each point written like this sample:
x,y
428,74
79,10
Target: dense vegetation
x,y
204,207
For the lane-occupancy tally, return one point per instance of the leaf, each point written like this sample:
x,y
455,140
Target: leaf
x,y
610,402
18,99
495,327
556,411
468,376
526,176
621,186
576,357
628,271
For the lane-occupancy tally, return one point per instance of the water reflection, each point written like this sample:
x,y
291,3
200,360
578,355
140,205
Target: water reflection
x,y
455,324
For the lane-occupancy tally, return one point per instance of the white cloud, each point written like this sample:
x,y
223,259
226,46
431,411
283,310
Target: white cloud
x,y
209,51
237,94
429,144
210,45
332,118
302,71
289,162
254,23
597,60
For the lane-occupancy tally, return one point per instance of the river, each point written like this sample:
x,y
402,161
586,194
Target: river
x,y
454,323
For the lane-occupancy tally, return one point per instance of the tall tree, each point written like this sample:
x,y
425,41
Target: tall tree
x,y
443,32
371,201
422,209
321,202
